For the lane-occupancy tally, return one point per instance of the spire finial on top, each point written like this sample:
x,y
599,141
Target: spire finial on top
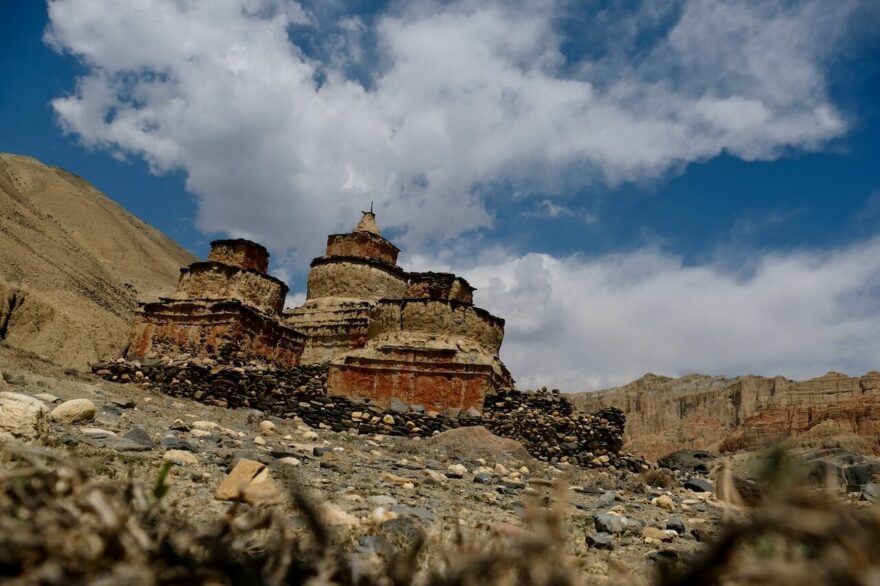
x,y
368,223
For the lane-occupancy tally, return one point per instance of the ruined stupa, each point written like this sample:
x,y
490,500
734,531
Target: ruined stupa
x,y
357,269
224,308
390,334
383,333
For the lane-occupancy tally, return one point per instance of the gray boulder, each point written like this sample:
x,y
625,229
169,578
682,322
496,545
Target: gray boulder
x,y
689,461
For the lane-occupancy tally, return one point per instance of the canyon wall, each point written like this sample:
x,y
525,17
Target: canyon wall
x,y
665,414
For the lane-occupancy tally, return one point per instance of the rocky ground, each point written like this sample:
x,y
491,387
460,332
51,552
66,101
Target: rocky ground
x,y
375,491
377,487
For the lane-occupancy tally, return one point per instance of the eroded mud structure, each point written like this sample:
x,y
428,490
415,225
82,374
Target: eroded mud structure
x,y
385,334
226,307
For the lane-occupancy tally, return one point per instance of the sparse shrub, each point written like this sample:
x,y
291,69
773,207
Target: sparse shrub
x,y
658,478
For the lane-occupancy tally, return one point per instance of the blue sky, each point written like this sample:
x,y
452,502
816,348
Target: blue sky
x,y
671,166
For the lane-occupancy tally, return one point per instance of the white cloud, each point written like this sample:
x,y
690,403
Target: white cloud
x,y
465,98
583,324
549,209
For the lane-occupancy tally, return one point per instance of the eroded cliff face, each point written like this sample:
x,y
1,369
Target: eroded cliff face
x,y
665,414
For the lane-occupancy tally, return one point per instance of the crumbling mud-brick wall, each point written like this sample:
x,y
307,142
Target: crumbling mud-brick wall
x,y
434,377
240,253
431,285
221,330
362,245
221,311
438,318
355,278
429,351
331,327
214,280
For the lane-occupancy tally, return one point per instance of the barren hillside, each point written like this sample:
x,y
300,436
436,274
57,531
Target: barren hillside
x,y
73,264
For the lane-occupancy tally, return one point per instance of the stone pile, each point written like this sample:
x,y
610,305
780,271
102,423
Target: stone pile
x,y
552,430
546,423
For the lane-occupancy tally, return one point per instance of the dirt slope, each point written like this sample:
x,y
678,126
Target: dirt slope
x,y
73,264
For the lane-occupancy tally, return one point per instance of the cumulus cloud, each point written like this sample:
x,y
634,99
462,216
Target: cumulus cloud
x,y
587,323
286,123
579,322
287,119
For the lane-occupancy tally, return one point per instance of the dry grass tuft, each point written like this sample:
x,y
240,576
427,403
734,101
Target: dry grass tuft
x,y
57,526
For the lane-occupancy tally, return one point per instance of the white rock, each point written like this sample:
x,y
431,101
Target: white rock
x,y
46,397
22,415
290,461
267,427
456,470
330,514
74,411
380,515
309,435
435,476
259,440
180,457
205,425
96,432
200,433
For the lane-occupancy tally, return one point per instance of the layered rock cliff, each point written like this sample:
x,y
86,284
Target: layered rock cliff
x,y
749,412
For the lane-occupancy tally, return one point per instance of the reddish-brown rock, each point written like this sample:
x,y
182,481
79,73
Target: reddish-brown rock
x,y
665,414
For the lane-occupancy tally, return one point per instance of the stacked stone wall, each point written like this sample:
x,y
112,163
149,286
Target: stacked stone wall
x,y
546,423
